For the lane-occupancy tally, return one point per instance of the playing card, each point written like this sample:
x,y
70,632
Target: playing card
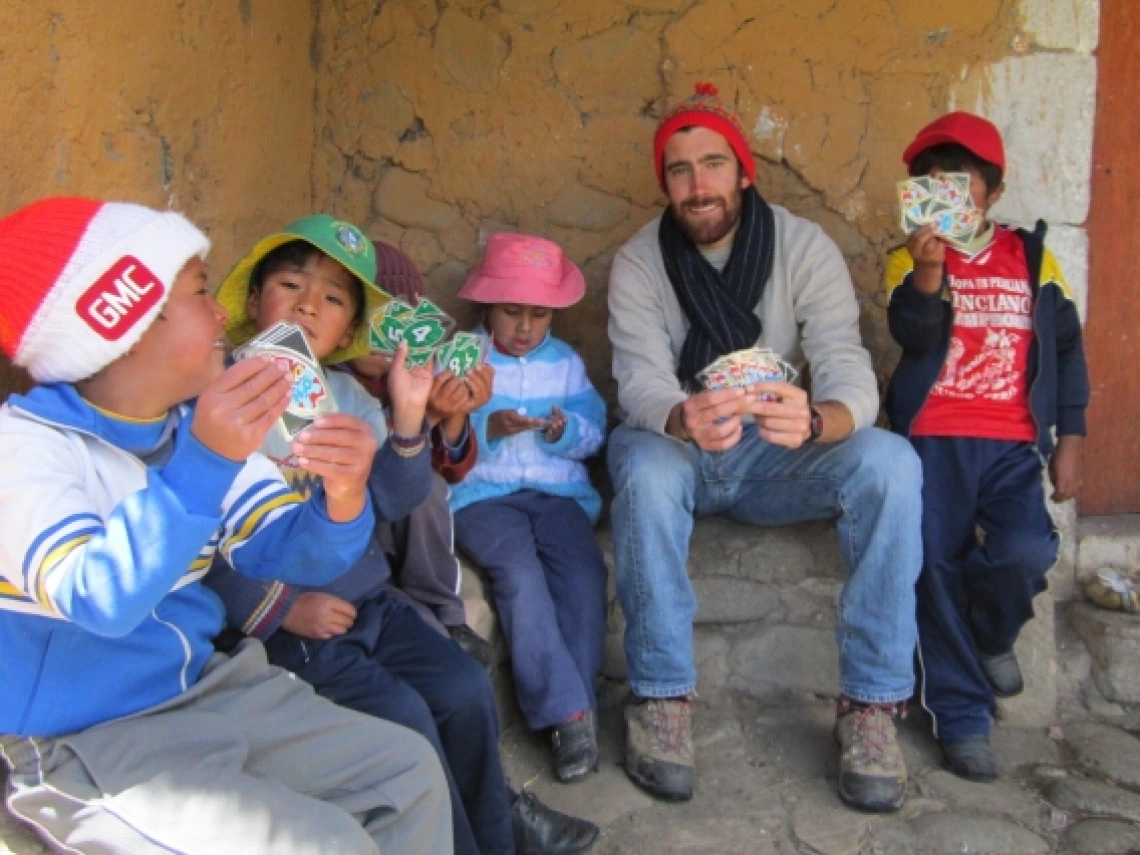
x,y
744,367
418,357
462,353
285,344
427,331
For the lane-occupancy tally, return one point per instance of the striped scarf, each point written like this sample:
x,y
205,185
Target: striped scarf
x,y
720,306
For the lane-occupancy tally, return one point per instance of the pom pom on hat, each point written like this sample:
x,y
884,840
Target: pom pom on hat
x,y
81,281
705,109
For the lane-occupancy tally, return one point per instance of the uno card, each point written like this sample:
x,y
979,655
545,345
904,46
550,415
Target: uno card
x,y
310,395
462,353
745,367
387,324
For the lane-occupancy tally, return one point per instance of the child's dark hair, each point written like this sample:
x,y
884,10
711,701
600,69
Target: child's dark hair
x,y
952,157
293,255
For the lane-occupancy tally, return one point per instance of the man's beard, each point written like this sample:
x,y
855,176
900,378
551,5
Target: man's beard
x,y
707,229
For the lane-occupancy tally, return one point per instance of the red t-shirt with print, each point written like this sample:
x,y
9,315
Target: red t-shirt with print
x,y
983,391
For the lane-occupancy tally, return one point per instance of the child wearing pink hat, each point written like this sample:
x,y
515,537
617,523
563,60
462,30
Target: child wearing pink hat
x,y
526,512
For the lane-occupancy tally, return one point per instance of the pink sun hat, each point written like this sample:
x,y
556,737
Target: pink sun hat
x,y
527,270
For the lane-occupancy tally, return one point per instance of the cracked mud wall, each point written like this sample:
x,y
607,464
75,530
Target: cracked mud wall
x,y
441,122
204,107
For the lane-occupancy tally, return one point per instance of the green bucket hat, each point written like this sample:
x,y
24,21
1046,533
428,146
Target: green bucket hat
x,y
340,241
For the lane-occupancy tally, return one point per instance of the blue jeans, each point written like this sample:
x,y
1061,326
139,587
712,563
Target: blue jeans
x,y
872,481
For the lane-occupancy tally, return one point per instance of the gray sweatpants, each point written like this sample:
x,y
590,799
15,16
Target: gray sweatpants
x,y
248,760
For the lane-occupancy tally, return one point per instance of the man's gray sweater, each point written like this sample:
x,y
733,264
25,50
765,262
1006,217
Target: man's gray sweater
x,y
809,315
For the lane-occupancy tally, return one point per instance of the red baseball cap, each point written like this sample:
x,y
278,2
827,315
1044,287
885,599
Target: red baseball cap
x,y
967,130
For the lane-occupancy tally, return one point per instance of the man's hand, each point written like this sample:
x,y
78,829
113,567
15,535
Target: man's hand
x,y
1065,468
239,407
786,421
929,254
339,448
555,425
504,423
409,389
319,616
710,419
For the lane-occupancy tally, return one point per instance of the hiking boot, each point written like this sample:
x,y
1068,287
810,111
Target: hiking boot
x,y
541,830
473,644
1003,672
659,747
872,774
575,745
970,757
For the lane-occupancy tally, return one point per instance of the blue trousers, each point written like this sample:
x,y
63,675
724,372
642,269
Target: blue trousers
x,y
871,481
392,665
974,597
548,578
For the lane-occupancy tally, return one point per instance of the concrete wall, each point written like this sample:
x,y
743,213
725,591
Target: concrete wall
x,y
205,107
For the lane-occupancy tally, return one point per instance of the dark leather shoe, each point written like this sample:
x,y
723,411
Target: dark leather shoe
x,y
1003,672
472,643
575,746
971,757
541,830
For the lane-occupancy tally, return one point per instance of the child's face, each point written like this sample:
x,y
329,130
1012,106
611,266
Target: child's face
x,y
188,340
518,329
319,297
982,198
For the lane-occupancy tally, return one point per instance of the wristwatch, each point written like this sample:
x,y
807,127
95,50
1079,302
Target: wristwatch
x,y
816,429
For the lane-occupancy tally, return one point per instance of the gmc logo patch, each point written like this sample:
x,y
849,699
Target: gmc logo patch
x,y
119,298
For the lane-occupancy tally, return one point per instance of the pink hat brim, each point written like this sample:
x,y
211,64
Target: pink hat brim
x,y
480,288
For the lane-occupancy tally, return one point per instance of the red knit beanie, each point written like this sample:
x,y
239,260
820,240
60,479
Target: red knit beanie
x,y
703,108
82,280
397,274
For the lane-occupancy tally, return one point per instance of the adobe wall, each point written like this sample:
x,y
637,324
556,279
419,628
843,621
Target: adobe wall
x,y
202,107
437,126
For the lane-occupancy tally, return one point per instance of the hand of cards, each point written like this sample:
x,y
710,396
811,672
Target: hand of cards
x,y
425,327
286,345
944,202
745,367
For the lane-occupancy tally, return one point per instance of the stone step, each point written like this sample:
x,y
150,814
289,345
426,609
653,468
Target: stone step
x,y
1112,541
1113,641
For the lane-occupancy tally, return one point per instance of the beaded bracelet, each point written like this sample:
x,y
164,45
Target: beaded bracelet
x,y
408,447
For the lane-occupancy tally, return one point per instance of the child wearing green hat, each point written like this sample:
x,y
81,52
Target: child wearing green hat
x,y
353,640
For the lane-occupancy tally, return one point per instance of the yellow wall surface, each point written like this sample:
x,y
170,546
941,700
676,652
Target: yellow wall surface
x,y
441,123
434,123
204,107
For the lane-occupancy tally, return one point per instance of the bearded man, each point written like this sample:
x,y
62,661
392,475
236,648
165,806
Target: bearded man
x,y
719,271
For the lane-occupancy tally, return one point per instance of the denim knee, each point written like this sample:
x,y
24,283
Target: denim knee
x,y
470,697
890,462
649,465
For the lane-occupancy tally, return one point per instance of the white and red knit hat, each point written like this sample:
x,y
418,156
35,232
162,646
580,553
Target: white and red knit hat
x,y
82,280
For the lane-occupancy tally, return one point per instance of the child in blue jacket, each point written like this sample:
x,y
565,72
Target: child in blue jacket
x,y
526,512
126,470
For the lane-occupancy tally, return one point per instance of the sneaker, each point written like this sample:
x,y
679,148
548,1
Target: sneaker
x,y
659,747
872,774
1003,672
575,746
541,830
473,644
971,757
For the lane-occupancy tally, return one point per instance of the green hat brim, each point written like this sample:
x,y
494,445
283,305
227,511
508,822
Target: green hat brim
x,y
234,297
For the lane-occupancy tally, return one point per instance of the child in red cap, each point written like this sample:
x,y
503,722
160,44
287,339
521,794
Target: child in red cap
x,y
992,364
526,512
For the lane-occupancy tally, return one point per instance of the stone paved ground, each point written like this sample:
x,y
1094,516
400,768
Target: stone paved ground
x,y
765,786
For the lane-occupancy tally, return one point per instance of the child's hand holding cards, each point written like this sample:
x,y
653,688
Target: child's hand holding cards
x,y
423,327
310,396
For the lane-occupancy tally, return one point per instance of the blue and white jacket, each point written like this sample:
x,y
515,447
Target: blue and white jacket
x,y
550,375
107,528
